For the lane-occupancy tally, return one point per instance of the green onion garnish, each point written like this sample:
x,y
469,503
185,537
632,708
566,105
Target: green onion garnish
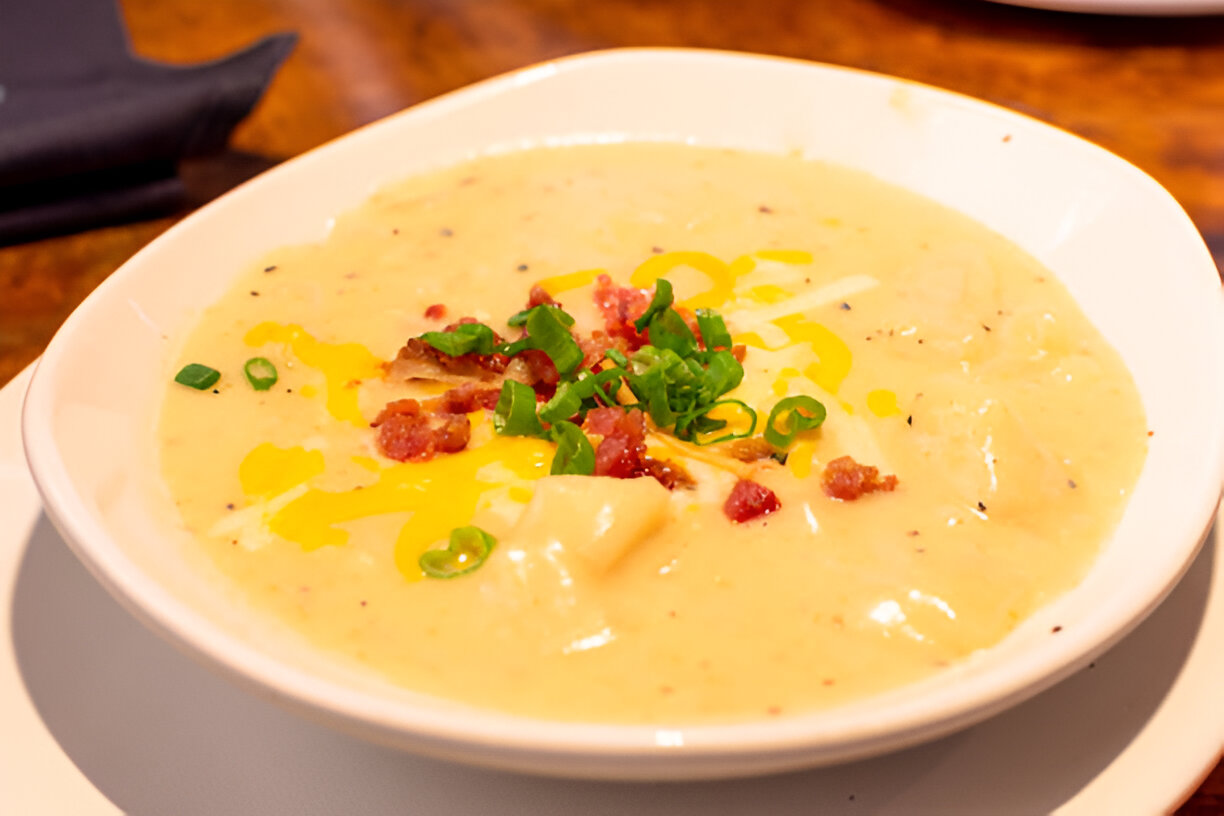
x,y
661,299
798,413
713,330
260,373
199,377
466,338
669,331
548,330
467,550
574,452
515,414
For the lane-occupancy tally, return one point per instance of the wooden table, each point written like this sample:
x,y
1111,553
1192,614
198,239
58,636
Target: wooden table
x,y
1151,90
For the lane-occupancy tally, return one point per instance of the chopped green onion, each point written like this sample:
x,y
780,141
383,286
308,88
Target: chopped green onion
x,y
199,377
690,426
515,414
574,452
617,356
466,338
713,330
548,331
669,331
467,550
798,413
520,318
260,373
661,299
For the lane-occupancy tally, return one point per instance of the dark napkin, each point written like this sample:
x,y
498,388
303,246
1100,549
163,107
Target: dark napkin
x,y
91,134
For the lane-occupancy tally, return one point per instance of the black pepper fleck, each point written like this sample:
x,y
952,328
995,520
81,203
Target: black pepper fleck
x,y
229,506
271,268
1056,629
215,391
521,267
288,390
1071,484
845,307
764,209
909,420
446,232
982,507
254,293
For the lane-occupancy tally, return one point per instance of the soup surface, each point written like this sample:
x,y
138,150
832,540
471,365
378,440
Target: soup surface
x,y
737,579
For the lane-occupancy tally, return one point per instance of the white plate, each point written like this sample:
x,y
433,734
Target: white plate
x,y
1125,249
101,716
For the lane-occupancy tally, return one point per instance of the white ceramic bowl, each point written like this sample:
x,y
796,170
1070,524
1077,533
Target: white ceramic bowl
x,y
1122,245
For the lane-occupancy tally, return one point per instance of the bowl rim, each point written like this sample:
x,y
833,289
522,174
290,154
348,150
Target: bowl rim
x,y
493,738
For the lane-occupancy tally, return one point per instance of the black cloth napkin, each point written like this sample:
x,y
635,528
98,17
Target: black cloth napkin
x,y
91,134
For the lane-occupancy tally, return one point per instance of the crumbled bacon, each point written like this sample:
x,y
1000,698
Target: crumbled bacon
x,y
620,452
597,345
436,311
419,359
539,297
748,500
407,434
620,306
847,480
464,399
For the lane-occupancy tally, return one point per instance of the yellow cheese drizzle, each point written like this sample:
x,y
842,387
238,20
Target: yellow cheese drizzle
x,y
563,283
833,357
723,276
441,494
269,471
882,403
341,364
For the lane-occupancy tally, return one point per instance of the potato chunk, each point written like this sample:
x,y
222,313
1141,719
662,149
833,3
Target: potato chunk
x,y
596,520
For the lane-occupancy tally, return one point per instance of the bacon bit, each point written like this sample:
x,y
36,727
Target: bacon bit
x,y
405,433
847,480
419,437
751,449
620,452
406,407
419,359
597,345
539,297
748,500
620,306
464,399
436,311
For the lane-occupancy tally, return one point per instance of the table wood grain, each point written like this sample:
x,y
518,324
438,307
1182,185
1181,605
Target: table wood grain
x,y
1151,90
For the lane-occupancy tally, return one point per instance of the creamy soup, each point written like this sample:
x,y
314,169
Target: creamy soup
x,y
1004,433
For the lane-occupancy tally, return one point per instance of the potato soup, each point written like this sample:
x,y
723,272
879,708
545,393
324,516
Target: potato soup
x,y
650,433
